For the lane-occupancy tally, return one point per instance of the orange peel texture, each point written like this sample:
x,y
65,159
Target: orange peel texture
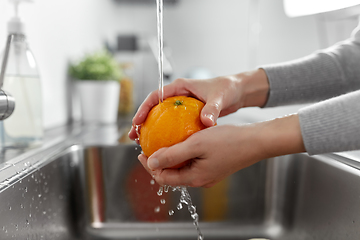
x,y
170,122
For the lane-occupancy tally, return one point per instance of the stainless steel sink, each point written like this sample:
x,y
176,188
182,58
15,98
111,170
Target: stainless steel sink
x,y
102,192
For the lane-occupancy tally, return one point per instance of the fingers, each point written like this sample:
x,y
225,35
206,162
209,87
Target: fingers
x,y
174,177
151,100
175,156
211,111
185,176
171,177
178,87
143,160
132,133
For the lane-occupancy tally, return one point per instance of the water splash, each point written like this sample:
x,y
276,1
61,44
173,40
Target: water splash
x,y
185,198
179,206
160,192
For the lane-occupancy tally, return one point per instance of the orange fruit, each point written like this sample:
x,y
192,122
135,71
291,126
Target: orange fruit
x,y
170,122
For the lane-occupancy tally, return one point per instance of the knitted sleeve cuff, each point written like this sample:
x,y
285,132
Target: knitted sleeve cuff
x,y
332,125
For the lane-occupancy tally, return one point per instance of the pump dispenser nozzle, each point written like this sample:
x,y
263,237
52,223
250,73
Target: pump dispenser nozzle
x,y
15,25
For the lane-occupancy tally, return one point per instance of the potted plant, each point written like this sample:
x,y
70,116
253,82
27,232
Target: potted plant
x,y
97,77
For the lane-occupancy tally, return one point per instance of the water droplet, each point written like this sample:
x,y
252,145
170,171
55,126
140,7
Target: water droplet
x,y
25,189
195,216
185,198
21,206
171,212
10,208
29,215
39,195
160,192
162,201
166,188
136,180
44,212
137,130
152,182
179,206
157,209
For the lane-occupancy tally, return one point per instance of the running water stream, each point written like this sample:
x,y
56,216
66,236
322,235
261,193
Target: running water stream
x,y
185,197
159,7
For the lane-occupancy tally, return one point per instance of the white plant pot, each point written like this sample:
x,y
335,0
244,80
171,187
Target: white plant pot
x,y
99,100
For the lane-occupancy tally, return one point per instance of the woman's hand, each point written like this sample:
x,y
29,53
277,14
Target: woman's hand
x,y
221,95
217,152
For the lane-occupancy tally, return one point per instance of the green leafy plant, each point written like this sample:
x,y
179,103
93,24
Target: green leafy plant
x,y
99,65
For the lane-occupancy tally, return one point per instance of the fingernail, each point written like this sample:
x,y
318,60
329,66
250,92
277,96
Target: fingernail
x,y
141,157
211,117
153,163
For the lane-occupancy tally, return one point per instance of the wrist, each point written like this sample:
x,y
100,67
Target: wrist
x,y
281,136
255,87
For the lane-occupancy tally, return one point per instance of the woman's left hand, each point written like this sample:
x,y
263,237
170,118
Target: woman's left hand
x,y
219,151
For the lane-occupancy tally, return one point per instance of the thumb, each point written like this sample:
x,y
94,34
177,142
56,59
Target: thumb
x,y
175,156
211,112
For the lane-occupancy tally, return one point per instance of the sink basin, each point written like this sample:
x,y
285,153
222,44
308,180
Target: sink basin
x,y
102,192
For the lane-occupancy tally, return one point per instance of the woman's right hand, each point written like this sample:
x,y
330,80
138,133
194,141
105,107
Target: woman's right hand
x,y
221,95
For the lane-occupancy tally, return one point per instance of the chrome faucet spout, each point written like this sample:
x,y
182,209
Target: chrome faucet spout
x,y
7,102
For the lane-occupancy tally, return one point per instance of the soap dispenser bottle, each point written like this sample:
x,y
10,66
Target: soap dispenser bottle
x,y
24,128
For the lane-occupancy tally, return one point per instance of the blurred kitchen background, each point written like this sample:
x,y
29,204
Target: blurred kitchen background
x,y
202,38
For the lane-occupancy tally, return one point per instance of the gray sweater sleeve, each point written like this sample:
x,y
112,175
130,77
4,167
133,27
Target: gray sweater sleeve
x,y
332,125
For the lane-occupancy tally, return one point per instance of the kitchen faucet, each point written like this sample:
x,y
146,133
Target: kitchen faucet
x,y
7,102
